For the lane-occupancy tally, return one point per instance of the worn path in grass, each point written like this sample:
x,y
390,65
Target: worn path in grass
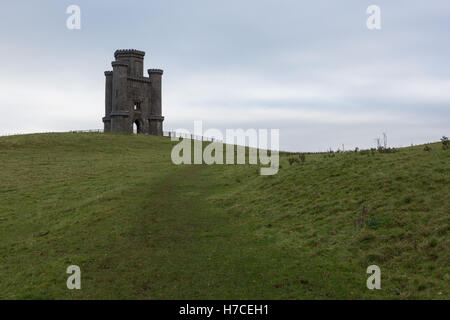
x,y
198,249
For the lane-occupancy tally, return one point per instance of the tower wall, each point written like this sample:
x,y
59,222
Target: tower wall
x,y
108,100
135,60
155,118
120,108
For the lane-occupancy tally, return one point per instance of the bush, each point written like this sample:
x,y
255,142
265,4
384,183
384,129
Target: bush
x,y
386,150
444,141
330,153
427,148
302,157
292,160
374,222
364,152
432,242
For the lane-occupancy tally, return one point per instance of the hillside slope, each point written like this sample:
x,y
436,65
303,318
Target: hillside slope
x,y
140,227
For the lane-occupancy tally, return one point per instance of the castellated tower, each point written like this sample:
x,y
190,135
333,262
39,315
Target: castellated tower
x,y
130,97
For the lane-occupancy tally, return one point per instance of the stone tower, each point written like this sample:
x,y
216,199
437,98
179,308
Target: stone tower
x,y
130,97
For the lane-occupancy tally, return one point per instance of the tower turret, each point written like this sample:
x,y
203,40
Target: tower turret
x,y
155,118
119,114
135,60
108,100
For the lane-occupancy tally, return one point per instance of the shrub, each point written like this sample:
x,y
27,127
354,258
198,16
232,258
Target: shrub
x,y
386,150
292,160
427,148
432,242
373,222
302,157
364,152
444,141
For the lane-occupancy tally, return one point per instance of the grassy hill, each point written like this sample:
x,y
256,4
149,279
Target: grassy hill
x,y
140,227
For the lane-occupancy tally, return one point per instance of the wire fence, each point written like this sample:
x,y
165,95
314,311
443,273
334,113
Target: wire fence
x,y
189,136
90,130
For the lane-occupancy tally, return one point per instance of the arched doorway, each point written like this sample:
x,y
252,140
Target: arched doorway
x,y
137,127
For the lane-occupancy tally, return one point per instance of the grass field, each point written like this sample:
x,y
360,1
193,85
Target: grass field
x,y
140,227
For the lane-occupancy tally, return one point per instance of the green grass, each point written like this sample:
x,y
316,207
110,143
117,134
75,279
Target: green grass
x,y
140,227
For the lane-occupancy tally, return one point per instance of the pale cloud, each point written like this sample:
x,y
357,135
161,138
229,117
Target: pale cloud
x,y
47,106
337,89
255,114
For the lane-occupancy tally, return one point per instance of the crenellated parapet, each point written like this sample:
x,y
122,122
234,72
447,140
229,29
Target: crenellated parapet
x,y
155,71
129,53
139,79
119,63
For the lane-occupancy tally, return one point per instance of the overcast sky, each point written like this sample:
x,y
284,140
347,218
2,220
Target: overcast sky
x,y
309,68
